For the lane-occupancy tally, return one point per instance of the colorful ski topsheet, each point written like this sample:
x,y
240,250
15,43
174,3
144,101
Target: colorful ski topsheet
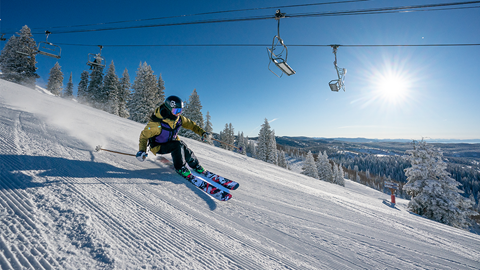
x,y
203,185
232,185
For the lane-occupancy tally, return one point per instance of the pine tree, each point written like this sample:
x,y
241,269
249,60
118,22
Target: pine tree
x,y
208,126
262,149
282,161
434,193
338,175
55,80
335,173
324,168
110,93
145,87
161,91
231,136
241,144
251,148
124,95
68,91
17,59
272,149
193,111
95,88
309,168
224,137
341,176
82,89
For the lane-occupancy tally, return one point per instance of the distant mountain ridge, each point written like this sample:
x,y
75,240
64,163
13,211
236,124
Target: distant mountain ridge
x,y
451,148
366,140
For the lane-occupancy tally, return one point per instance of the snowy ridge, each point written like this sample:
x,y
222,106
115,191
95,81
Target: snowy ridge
x,y
65,206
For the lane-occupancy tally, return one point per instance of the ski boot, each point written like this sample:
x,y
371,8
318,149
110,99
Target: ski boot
x,y
185,172
199,169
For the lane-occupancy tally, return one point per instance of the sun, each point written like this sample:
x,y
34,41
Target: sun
x,y
392,87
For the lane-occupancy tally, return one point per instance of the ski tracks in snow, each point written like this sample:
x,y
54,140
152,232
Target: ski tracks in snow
x,y
21,237
68,218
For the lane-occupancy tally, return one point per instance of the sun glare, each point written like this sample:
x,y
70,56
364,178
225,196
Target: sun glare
x,y
389,87
392,87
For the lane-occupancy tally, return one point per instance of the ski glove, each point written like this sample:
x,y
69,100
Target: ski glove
x,y
141,156
206,136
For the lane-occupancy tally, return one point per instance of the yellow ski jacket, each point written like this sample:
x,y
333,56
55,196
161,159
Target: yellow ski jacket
x,y
161,130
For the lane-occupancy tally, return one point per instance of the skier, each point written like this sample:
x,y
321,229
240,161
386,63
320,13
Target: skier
x,y
161,135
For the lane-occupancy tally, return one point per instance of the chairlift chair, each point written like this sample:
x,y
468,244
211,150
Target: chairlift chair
x,y
278,60
280,63
49,49
336,85
2,38
96,60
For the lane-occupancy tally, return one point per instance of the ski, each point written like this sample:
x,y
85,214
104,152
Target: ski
x,y
232,185
204,186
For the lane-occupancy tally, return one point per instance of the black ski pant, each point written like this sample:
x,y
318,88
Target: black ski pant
x,y
181,154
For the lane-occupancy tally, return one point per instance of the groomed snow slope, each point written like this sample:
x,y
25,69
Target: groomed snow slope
x,y
65,206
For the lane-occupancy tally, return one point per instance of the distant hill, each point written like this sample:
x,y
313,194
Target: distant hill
x,y
454,148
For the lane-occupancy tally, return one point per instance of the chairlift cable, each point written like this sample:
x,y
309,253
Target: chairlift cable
x,y
263,45
401,9
207,13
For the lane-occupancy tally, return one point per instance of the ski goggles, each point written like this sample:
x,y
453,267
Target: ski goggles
x,y
176,111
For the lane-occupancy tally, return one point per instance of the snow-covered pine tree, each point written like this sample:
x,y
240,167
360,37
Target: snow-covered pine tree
x,y
208,126
193,111
309,168
241,144
111,88
95,88
55,80
231,136
68,91
124,95
339,175
17,59
245,142
145,87
82,89
251,148
324,167
434,193
263,143
282,161
272,149
335,173
161,91
224,137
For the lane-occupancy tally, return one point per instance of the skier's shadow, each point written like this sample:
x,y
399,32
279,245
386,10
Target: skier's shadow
x,y
22,171
156,174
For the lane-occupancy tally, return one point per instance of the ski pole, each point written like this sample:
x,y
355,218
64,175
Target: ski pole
x,y
99,147
239,149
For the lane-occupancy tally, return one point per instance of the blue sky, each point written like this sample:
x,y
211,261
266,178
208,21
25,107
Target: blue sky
x,y
391,92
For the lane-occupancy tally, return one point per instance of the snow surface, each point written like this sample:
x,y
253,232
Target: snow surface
x,y
65,206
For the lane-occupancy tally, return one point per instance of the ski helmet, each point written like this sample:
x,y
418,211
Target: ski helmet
x,y
174,104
